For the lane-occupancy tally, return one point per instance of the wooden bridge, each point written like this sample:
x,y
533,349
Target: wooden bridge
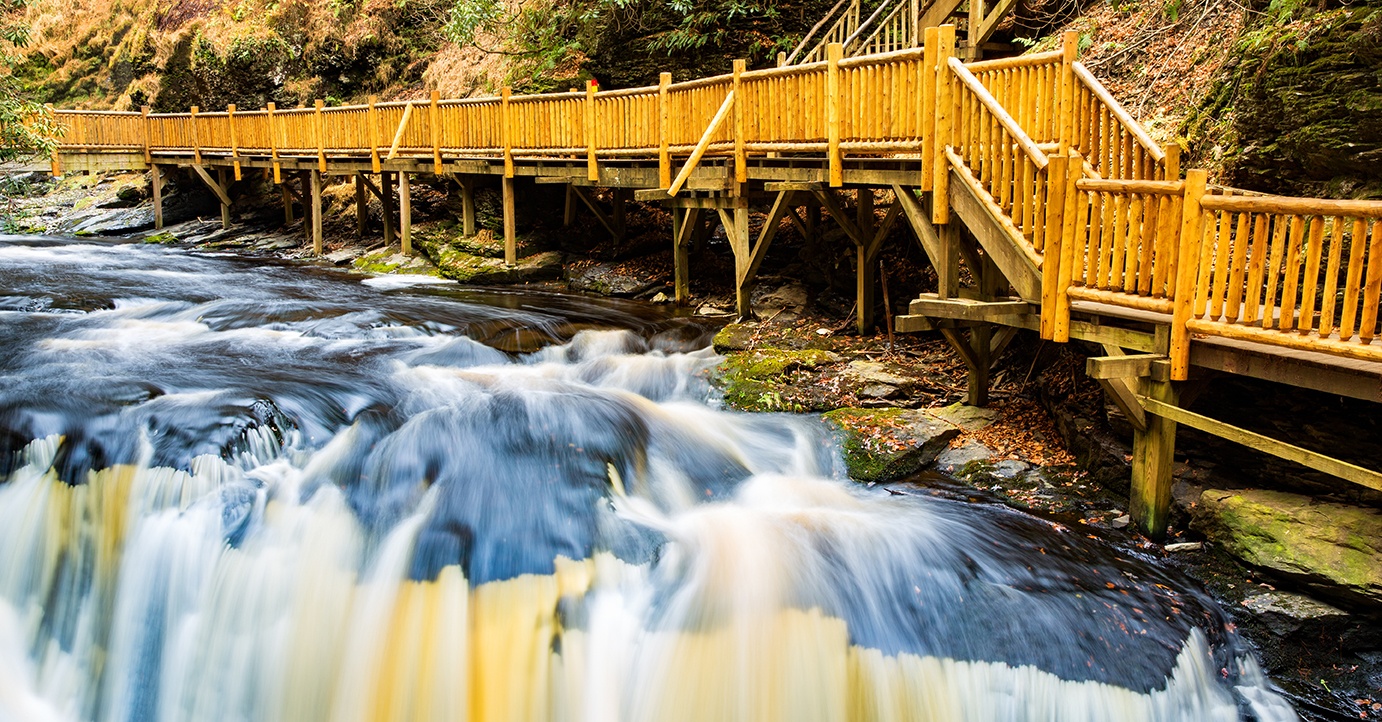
x,y
1025,171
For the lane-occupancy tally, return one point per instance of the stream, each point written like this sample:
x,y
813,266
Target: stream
x,y
241,489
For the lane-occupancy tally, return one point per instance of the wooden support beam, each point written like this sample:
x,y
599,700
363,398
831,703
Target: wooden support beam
x,y
156,181
1121,366
781,186
221,176
568,215
386,205
736,223
1121,393
880,234
1153,454
467,205
305,194
599,212
781,206
620,207
287,193
931,304
684,224
316,212
1267,445
510,223
212,184
830,202
405,213
361,206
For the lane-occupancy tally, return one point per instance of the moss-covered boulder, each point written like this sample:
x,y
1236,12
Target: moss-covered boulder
x,y
389,260
772,379
886,444
458,265
1335,548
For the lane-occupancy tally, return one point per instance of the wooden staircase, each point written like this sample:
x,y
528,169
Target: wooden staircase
x,y
897,25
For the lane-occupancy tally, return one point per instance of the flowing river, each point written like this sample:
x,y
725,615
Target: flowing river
x,y
238,489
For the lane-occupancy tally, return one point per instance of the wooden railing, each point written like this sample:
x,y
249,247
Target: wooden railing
x,y
1075,183
999,155
1304,273
1126,242
1113,144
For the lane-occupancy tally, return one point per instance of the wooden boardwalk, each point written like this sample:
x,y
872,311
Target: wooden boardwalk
x,y
1025,171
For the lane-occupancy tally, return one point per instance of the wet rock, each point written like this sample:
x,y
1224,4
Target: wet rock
x,y
1294,606
954,460
1333,548
788,298
873,373
1009,468
608,279
878,391
885,444
969,418
344,256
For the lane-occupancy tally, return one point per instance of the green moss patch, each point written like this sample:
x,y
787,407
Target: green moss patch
x,y
773,379
885,444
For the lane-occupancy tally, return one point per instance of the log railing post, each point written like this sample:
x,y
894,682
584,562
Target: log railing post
x,y
1172,162
1072,244
234,141
664,155
196,137
434,124
927,111
592,169
1055,224
374,134
1070,47
57,164
945,116
506,129
144,113
741,170
833,53
1187,272
321,141
273,146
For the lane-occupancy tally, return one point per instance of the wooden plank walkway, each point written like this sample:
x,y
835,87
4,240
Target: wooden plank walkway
x,y
1025,171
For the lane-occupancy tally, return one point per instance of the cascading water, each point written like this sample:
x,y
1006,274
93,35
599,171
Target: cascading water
x,y
239,490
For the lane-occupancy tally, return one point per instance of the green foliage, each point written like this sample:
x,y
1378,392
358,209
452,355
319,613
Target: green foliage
x,y
27,129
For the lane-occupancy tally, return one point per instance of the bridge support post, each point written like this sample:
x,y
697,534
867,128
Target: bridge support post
x,y
1153,454
684,224
510,225
864,274
225,207
568,215
287,194
316,212
620,215
361,206
305,193
386,204
405,212
468,205
156,181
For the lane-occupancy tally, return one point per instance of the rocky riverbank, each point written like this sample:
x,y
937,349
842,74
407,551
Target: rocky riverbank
x,y
1296,556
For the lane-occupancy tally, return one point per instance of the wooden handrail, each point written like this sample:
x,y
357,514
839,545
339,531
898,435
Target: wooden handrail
x,y
816,28
1097,88
1027,145
1292,206
1020,61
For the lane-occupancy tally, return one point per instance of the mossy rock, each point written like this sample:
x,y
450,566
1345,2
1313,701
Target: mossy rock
x,y
885,444
390,261
1335,548
162,238
465,267
743,337
771,379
